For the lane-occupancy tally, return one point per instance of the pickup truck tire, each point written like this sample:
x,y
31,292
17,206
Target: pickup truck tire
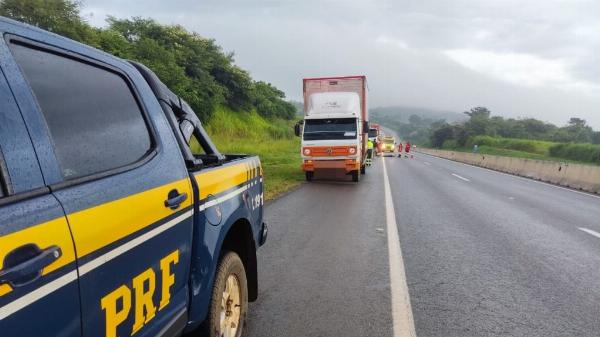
x,y
356,176
309,175
229,300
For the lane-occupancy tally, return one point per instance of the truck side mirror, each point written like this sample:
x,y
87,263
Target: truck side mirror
x,y
365,127
297,129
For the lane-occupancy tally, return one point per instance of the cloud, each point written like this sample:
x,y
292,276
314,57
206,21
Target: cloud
x,y
522,69
542,54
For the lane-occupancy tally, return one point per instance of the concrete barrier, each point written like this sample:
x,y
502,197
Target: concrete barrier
x,y
577,176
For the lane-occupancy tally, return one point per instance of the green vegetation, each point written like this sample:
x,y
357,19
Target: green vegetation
x,y
242,115
522,145
579,152
532,138
272,140
194,67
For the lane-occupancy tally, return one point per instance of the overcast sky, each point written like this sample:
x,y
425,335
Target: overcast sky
x,y
520,58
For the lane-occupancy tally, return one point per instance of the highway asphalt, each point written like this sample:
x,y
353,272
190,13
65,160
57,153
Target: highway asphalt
x,y
485,253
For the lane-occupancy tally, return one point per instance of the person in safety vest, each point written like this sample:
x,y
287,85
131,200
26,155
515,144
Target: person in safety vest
x,y
407,149
370,149
400,150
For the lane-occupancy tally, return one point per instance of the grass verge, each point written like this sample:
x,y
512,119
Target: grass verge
x,y
272,140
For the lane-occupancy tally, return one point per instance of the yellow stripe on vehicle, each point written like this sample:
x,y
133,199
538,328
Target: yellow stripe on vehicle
x,y
214,182
99,226
51,233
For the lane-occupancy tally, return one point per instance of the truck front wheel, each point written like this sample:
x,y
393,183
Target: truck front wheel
x,y
355,176
309,175
229,301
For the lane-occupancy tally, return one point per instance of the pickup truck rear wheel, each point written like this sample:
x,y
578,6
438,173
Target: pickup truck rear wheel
x,y
229,301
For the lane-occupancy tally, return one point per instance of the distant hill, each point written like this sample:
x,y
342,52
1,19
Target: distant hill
x,y
411,123
403,113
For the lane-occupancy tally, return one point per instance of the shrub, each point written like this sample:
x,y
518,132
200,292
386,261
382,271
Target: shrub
x,y
524,145
581,152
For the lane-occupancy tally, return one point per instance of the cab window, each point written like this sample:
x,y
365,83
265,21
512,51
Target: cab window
x,y
94,119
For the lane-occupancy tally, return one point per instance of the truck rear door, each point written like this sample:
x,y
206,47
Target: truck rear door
x,y
38,272
115,167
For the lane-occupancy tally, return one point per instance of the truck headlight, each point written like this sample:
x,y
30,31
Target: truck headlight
x,y
306,151
352,150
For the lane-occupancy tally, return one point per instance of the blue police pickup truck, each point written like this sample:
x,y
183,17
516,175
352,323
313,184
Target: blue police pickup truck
x,y
118,215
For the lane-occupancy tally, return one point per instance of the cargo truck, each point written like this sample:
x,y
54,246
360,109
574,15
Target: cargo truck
x,y
335,126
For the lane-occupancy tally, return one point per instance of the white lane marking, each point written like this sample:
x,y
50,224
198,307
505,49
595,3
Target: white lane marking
x,y
427,163
519,177
402,316
589,231
102,259
37,294
459,177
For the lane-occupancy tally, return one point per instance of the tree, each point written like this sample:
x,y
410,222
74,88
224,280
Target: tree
x,y
478,112
415,120
441,134
58,16
596,137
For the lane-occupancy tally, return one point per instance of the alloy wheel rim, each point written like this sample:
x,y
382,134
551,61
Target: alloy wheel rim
x,y
230,307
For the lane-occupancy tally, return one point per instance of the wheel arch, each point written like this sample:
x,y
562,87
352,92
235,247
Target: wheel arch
x,y
240,240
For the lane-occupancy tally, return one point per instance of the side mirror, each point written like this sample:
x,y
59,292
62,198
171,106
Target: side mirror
x,y
365,127
297,129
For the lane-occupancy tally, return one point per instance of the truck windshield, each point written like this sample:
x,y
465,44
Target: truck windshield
x,y
372,133
336,128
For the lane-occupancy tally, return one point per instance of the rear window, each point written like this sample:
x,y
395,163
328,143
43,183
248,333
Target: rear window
x,y
94,118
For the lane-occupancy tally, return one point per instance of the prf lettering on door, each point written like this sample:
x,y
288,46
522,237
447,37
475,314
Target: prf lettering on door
x,y
117,305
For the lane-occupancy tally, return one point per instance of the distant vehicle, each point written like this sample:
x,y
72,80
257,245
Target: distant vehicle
x,y
335,130
111,223
389,144
375,136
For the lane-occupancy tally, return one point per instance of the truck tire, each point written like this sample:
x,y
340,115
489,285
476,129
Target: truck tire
x,y
356,176
229,301
363,169
309,175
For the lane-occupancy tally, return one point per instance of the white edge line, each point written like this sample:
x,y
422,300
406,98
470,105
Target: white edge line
x,y
38,293
589,231
459,177
402,316
518,177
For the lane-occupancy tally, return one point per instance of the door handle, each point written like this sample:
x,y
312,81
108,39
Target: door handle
x,y
31,268
174,199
